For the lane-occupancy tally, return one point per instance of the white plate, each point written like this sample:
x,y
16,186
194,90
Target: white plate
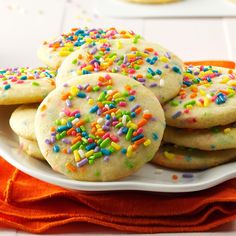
x,y
184,8
149,178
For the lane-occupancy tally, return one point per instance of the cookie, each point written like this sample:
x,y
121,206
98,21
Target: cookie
x,y
185,159
150,64
53,52
216,138
207,99
22,121
25,85
31,148
101,127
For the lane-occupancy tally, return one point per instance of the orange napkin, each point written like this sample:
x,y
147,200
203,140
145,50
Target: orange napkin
x,y
31,205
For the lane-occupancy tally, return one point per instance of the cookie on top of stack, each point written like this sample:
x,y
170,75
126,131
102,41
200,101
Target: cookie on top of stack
x,y
201,119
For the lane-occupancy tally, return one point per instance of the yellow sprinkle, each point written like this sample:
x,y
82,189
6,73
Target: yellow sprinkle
x,y
190,76
129,151
132,125
113,114
206,102
164,59
100,130
202,92
88,40
74,90
130,56
116,95
227,130
79,72
116,146
147,142
68,45
207,85
91,101
224,80
119,44
199,104
169,155
190,107
89,153
102,40
76,155
64,53
232,82
63,121
89,68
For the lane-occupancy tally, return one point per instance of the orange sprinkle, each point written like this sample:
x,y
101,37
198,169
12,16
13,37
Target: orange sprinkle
x,y
79,123
80,56
89,88
140,141
64,151
43,108
101,79
142,123
133,49
70,167
147,116
53,129
134,147
109,111
149,49
70,131
128,87
224,91
100,105
65,96
75,140
193,95
138,110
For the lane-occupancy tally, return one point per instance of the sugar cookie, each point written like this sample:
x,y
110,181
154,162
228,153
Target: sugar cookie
x,y
149,63
25,85
101,127
53,52
216,138
185,159
22,121
207,99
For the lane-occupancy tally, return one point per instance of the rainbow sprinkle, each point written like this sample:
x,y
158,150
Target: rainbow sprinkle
x,y
90,139
68,42
11,76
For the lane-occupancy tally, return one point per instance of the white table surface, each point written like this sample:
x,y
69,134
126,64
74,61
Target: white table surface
x,y
24,24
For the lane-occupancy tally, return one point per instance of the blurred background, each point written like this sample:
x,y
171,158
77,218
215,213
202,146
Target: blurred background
x,y
193,29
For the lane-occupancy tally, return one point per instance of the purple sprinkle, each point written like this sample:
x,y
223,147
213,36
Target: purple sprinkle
x,y
82,162
168,55
153,85
99,112
196,73
187,175
69,151
141,80
108,123
134,108
114,118
47,141
106,158
125,59
105,128
93,51
177,114
80,87
53,133
119,132
166,66
68,103
96,149
92,61
65,140
65,85
53,139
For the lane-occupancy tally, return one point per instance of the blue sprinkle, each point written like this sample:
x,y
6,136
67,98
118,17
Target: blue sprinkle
x,y
78,130
177,114
220,99
123,150
176,69
78,115
94,109
133,114
137,137
81,95
150,71
108,117
131,98
62,128
90,146
159,72
124,130
48,74
85,72
105,152
6,87
155,136
56,148
24,77
187,83
112,106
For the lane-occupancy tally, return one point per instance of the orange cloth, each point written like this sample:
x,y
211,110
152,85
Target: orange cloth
x,y
31,205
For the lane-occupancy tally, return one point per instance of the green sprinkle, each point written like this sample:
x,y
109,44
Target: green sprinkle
x,y
85,140
105,143
63,134
57,122
58,137
90,161
129,134
96,88
193,102
97,173
74,61
129,164
35,83
174,103
111,149
119,125
75,146
97,154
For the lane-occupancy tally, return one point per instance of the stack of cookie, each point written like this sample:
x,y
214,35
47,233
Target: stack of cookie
x,y
201,120
103,120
